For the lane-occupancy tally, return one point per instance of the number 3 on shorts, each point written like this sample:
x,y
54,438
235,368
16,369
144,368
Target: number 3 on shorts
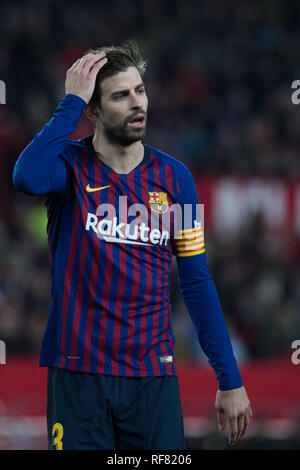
x,y
59,431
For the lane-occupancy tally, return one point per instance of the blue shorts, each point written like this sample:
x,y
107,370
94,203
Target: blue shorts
x,y
103,412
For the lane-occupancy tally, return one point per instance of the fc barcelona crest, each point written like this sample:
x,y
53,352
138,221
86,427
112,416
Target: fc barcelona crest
x,y
158,202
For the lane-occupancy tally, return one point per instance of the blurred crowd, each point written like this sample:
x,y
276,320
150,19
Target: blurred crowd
x,y
219,85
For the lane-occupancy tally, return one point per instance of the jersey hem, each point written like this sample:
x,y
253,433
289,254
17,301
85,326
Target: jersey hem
x,y
113,371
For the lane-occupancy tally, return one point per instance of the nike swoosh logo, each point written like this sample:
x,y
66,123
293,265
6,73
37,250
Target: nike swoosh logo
x,y
90,190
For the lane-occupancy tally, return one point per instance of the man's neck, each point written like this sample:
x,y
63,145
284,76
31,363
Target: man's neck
x,y
121,159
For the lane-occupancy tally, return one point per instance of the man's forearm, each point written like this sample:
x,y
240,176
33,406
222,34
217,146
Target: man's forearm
x,y
202,301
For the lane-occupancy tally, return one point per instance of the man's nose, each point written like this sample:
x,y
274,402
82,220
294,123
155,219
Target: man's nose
x,y
136,101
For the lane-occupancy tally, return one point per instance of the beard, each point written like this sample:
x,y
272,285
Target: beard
x,y
122,134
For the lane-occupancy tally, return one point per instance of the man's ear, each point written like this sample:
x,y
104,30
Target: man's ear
x,y
92,113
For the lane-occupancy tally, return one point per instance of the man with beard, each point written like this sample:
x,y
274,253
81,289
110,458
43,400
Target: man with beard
x,y
109,343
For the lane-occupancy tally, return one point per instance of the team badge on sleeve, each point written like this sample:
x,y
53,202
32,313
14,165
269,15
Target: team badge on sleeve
x,y
190,242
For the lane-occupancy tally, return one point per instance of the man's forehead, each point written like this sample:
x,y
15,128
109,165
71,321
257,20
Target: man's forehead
x,y
130,78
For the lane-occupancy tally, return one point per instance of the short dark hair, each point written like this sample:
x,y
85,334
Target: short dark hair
x,y
120,58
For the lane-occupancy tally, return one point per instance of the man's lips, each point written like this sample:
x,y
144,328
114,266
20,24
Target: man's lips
x,y
137,121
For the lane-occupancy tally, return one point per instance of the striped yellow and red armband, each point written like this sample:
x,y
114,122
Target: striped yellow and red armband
x,y
189,242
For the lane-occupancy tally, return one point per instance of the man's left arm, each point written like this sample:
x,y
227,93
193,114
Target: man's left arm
x,y
201,299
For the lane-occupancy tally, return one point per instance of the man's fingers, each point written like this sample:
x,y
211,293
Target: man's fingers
x,y
73,66
92,61
241,425
81,77
88,62
248,416
221,417
235,405
242,421
79,63
246,422
97,66
233,429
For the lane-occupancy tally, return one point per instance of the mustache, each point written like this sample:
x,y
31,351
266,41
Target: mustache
x,y
141,111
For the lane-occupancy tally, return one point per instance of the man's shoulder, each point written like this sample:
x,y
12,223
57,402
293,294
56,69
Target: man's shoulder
x,y
73,148
76,143
168,159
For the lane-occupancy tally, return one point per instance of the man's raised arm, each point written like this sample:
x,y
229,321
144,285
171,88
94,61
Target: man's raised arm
x,y
39,170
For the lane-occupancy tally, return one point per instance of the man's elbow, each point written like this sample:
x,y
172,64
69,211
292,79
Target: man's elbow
x,y
21,183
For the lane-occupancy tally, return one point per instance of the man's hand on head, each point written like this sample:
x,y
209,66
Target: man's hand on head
x,y
81,76
233,406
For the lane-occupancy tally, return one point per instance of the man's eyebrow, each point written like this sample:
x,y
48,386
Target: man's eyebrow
x,y
127,89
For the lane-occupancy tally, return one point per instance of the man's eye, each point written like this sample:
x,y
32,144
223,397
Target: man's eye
x,y
141,90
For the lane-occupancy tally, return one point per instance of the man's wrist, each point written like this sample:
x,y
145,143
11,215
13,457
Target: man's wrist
x,y
232,384
229,390
72,96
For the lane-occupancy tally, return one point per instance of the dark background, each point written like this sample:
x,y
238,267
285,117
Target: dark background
x,y
219,86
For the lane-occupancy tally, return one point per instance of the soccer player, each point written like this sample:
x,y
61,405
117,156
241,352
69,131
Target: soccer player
x,y
115,208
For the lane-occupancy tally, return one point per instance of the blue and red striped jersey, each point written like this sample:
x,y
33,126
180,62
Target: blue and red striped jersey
x,y
111,238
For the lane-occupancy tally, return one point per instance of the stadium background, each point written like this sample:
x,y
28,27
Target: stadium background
x,y
219,85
